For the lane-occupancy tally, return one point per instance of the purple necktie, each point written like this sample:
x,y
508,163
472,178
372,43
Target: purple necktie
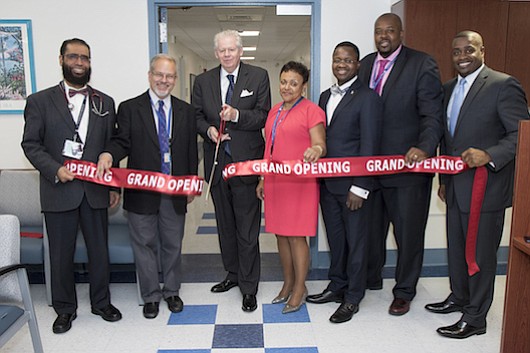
x,y
379,77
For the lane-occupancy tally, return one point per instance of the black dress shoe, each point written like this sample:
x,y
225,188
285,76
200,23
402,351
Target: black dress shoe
x,y
175,304
445,307
151,310
224,286
63,323
461,330
344,313
399,307
249,302
326,296
108,313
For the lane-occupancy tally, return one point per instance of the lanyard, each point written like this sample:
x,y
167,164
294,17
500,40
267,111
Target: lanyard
x,y
278,122
376,80
79,118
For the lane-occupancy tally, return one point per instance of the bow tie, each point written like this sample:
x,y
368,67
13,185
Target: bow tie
x,y
73,92
336,90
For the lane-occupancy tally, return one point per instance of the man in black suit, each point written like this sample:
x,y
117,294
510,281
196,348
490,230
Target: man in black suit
x,y
62,123
409,83
158,133
483,109
354,116
239,94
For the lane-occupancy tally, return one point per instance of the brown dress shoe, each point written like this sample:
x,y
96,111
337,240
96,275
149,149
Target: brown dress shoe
x,y
399,307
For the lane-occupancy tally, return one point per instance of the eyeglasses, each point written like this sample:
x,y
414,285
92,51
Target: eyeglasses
x,y
346,61
75,57
160,76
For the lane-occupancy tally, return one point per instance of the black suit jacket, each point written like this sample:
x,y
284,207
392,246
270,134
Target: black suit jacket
x,y
488,120
354,130
48,124
246,137
412,97
137,138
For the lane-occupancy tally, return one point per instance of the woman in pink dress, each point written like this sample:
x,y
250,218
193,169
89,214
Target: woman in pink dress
x,y
295,130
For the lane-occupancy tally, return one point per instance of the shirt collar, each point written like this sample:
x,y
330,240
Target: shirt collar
x,y
391,57
235,72
155,99
470,79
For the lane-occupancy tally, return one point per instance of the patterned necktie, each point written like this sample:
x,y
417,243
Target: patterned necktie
x,y
163,138
73,92
228,100
335,90
379,77
458,99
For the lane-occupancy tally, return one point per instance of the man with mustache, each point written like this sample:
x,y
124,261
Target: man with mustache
x,y
61,123
408,81
157,132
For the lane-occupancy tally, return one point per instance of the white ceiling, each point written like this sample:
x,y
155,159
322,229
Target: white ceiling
x,y
195,28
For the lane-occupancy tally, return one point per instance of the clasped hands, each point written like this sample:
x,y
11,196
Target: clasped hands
x,y
227,113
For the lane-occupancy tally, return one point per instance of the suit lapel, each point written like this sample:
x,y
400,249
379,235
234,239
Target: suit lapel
x,y
175,121
242,81
61,104
471,95
145,112
215,87
397,69
348,96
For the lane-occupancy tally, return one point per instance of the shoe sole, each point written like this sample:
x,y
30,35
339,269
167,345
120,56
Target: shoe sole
x,y
444,311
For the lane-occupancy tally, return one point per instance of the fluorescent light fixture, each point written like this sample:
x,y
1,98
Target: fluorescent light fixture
x,y
249,48
293,10
249,33
248,57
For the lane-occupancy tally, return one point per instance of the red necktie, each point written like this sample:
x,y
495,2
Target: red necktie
x,y
73,92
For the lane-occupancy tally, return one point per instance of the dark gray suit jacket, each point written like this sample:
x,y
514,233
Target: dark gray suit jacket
x,y
355,130
247,139
412,97
48,124
488,120
137,138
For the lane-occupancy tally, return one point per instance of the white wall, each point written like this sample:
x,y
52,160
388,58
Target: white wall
x,y
117,32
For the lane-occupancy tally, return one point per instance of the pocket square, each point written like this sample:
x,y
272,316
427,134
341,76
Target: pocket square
x,y
246,93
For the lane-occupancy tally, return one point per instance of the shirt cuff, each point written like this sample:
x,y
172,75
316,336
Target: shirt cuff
x,y
359,192
237,116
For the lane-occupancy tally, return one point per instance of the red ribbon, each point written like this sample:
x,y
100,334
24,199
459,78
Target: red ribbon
x,y
349,166
477,197
372,166
137,179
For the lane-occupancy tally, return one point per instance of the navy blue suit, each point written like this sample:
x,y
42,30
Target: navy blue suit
x,y
412,98
354,130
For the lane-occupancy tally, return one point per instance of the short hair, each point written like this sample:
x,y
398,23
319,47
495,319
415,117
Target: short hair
x,y
467,33
228,33
157,57
297,67
349,45
73,41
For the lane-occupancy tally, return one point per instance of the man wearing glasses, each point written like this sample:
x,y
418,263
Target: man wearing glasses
x,y
158,133
57,122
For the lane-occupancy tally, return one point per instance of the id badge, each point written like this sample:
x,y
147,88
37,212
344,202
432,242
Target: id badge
x,y
73,149
167,157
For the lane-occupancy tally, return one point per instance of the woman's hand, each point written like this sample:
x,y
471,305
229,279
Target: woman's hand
x,y
259,190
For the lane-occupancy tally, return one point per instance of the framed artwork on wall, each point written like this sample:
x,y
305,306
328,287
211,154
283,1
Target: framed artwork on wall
x,y
17,70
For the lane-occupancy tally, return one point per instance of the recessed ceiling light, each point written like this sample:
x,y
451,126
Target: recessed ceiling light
x,y
249,33
248,57
249,48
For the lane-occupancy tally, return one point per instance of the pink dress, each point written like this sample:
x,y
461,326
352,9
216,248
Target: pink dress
x,y
291,203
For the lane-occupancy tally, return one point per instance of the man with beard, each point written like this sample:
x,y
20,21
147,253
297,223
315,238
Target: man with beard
x,y
72,121
158,133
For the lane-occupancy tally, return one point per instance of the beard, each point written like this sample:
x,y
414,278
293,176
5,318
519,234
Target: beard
x,y
69,76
